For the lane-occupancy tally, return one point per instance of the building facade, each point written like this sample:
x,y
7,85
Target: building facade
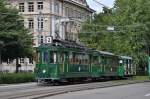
x,y
57,18
61,19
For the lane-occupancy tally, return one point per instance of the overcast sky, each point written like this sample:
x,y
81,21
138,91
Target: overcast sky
x,y
98,7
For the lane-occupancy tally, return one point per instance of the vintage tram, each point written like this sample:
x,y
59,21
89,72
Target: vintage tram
x,y
61,61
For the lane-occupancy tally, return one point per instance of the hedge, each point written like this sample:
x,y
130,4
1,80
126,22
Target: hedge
x,y
141,78
10,78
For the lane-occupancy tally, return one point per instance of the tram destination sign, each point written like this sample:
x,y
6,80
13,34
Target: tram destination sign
x,y
49,39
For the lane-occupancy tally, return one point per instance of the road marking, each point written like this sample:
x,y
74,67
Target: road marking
x,y
147,95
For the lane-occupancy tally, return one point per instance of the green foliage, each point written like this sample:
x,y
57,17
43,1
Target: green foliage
x,y
17,42
141,78
131,20
9,78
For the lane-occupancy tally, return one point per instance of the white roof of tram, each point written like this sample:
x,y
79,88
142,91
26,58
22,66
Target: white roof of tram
x,y
126,57
107,53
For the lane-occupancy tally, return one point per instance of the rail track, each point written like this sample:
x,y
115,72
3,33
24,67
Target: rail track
x,y
46,91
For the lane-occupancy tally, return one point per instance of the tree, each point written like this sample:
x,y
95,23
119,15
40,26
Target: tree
x,y
131,20
17,42
135,15
95,30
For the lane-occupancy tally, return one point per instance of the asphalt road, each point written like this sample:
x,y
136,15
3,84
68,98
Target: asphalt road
x,y
134,91
16,87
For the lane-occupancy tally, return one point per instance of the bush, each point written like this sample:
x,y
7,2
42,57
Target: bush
x,y
141,78
9,78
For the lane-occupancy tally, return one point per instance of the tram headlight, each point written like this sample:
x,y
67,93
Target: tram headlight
x,y
44,71
120,61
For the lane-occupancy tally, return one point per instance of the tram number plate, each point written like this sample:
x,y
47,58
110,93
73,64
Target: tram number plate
x,y
49,39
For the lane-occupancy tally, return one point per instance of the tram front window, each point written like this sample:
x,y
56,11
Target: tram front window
x,y
61,58
45,57
53,57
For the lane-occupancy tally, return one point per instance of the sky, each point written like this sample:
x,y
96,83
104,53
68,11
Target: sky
x,y
97,7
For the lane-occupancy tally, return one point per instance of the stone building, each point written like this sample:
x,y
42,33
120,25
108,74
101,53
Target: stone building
x,y
57,18
60,19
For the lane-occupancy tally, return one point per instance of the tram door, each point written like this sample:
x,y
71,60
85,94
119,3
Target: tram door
x,y
66,62
103,64
63,62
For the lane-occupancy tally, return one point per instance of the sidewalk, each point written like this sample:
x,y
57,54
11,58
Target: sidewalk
x,y
18,85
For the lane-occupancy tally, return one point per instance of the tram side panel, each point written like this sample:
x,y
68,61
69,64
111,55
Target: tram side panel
x,y
110,66
78,65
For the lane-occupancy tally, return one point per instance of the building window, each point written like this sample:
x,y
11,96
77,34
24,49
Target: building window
x,y
67,11
76,13
31,60
30,6
40,23
21,7
21,60
41,39
31,23
40,5
56,8
70,12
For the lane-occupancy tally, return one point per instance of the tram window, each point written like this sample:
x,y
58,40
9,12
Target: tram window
x,y
103,60
95,60
80,59
107,61
61,58
99,60
74,58
45,57
53,57
83,59
87,60
71,58
129,63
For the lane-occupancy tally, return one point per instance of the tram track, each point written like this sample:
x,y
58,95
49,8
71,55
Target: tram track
x,y
46,91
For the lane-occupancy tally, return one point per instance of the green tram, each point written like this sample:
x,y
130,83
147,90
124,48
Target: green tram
x,y
67,61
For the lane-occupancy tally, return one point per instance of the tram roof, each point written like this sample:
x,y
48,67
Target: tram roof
x,y
65,44
126,57
107,53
